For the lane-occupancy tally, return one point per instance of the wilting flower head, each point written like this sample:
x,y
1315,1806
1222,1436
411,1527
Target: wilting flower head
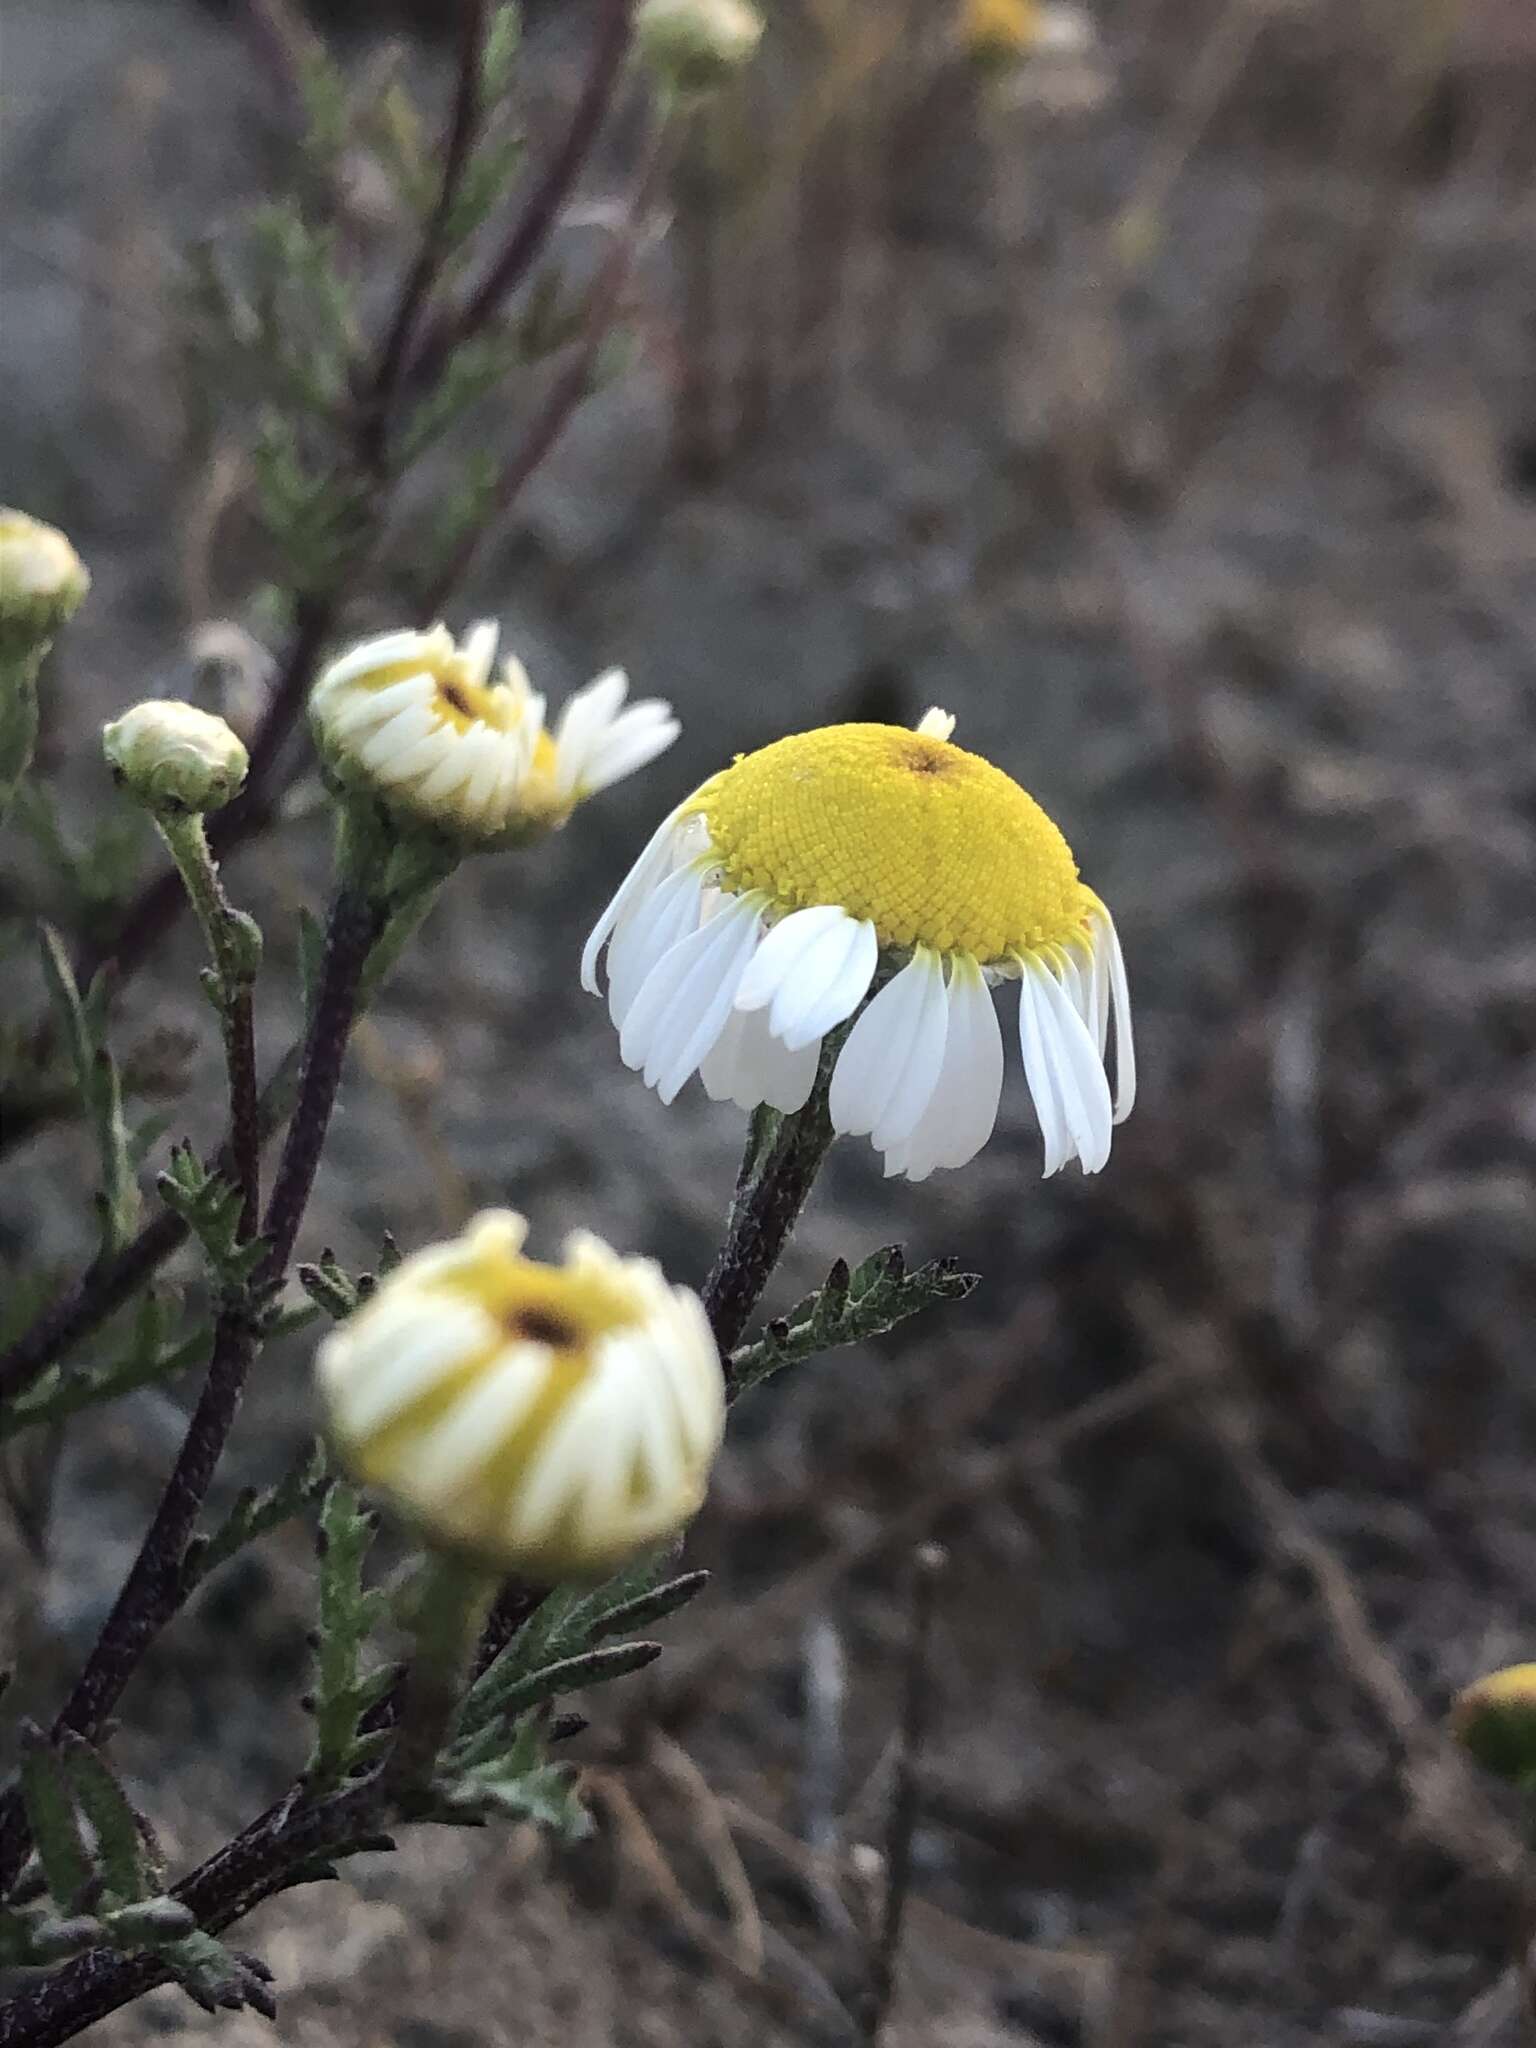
x,y
428,726
173,756
548,1420
759,916
42,580
695,44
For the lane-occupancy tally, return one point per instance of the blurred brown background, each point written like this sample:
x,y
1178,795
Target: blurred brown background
x,y
1167,410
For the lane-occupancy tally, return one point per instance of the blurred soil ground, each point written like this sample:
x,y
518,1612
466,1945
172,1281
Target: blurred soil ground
x,y
1223,544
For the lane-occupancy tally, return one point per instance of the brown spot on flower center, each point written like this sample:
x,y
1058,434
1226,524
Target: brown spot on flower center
x,y
455,695
543,1326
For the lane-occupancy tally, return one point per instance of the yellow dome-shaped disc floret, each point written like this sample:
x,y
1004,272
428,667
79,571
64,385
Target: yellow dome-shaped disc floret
x,y
933,845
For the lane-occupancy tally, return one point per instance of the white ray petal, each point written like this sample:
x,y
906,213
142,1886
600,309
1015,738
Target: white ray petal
x,y
779,956
654,860
886,1071
667,915
1125,1042
962,1110
681,1006
748,1065
1040,1075
1081,1081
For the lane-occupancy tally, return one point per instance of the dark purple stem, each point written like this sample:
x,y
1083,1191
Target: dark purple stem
x,y
542,207
568,390
777,1174
462,126
260,1861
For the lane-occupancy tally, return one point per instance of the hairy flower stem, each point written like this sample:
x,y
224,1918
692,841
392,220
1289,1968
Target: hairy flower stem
x,y
782,1160
451,1605
234,942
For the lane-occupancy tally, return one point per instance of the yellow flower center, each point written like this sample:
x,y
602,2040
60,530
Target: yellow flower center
x,y
567,1308
461,700
933,845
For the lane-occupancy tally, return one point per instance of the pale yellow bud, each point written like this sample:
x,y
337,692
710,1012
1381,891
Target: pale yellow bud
x,y
544,1420
42,581
174,757
693,45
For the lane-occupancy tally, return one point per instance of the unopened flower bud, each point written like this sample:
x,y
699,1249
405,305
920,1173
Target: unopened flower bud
x,y
173,757
538,1419
693,45
42,581
1494,1720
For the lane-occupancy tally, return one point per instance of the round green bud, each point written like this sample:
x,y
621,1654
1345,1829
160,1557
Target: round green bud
x,y
173,757
693,45
42,581
1494,1720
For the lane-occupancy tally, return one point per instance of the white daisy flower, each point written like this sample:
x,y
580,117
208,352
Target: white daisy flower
x,y
546,1420
769,905
426,724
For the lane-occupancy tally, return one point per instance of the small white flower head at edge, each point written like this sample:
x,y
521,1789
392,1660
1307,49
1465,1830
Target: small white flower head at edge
x,y
42,580
173,757
548,1420
693,45
886,879
430,726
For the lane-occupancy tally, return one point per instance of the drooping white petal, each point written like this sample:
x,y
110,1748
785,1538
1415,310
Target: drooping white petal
x,y
1082,1085
654,860
1039,1072
887,1070
748,1065
683,1003
781,952
962,1110
668,914
1125,1044
813,969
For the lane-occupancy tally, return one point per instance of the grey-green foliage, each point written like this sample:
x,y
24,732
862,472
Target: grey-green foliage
x,y
96,1877
561,1647
256,1514
495,1756
345,1690
154,1353
848,1309
210,1205
84,1020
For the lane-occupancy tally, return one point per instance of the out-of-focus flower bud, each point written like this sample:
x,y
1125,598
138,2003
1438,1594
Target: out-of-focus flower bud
x,y
173,757
543,1420
1494,1720
693,45
42,582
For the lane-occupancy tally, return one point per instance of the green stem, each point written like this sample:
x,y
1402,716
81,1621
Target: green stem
x,y
234,945
18,717
451,1605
